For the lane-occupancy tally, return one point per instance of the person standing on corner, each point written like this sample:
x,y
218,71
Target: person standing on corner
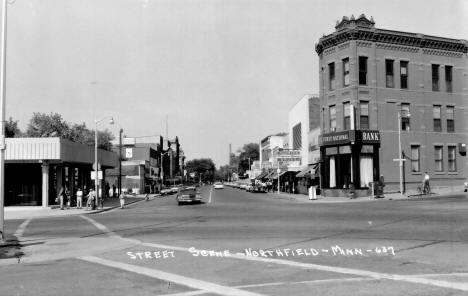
x,y
61,197
122,200
427,187
79,199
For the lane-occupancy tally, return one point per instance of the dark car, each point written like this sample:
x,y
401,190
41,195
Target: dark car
x,y
188,195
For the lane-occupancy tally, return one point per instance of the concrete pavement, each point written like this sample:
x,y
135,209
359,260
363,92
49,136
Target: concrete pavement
x,y
26,212
437,193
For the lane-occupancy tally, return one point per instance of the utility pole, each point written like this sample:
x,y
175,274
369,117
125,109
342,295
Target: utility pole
x,y
2,123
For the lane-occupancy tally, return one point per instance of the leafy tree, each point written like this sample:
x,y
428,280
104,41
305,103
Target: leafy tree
x,y
52,125
47,125
248,153
223,172
203,167
11,128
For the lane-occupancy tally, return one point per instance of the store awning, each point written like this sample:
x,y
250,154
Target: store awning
x,y
263,175
308,172
274,174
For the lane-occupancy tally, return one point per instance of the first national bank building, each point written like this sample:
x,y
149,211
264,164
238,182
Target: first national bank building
x,y
378,84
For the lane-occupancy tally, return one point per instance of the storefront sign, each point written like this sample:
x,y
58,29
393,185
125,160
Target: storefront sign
x,y
337,138
370,136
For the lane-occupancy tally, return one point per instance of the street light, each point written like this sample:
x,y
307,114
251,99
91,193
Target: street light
x,y
96,169
2,119
400,158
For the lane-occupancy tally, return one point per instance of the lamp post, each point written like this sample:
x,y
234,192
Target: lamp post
x,y
96,176
400,158
120,162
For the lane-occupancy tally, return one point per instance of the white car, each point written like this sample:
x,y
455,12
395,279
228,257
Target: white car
x,y
218,185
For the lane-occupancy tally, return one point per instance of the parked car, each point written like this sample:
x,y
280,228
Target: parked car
x,y
218,185
188,195
174,189
166,191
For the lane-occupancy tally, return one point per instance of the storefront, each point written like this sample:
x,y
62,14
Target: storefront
x,y
350,162
36,169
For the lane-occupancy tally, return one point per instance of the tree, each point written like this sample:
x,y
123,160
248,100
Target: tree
x,y
11,129
223,172
52,125
248,154
203,167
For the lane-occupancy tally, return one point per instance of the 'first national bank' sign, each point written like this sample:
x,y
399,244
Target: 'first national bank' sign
x,y
349,136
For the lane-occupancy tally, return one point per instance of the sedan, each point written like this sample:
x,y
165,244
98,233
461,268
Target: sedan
x,y
218,185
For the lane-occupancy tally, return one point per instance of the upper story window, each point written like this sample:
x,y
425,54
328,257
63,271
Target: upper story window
x,y
435,77
405,119
448,78
415,167
452,158
436,116
438,159
364,115
346,72
404,74
450,119
332,117
346,116
389,73
297,136
331,76
362,70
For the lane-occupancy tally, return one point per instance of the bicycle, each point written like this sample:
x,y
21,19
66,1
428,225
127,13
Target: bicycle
x,y
424,189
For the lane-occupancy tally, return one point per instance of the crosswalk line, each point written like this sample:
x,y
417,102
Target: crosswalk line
x,y
171,277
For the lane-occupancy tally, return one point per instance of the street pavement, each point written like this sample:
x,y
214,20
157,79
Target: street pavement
x,y
240,243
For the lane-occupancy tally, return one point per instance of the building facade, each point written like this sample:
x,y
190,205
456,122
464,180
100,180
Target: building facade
x,y
304,117
379,88
36,169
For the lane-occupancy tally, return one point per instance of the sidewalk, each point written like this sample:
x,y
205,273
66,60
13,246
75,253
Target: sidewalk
x,y
338,199
26,212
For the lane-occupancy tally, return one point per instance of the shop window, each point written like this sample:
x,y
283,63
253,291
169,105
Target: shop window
x,y
366,169
332,172
347,116
438,159
415,162
448,78
436,116
362,70
405,118
435,77
332,117
346,72
331,76
452,158
364,115
403,74
389,73
450,119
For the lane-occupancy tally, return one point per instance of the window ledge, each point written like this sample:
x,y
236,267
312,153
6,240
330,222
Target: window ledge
x,y
439,173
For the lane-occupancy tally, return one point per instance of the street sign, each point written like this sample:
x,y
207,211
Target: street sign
x,y
128,152
94,166
93,175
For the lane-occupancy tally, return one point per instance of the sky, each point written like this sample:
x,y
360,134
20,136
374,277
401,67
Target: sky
x,y
222,71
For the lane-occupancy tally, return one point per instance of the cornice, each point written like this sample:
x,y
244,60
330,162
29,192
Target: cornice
x,y
391,37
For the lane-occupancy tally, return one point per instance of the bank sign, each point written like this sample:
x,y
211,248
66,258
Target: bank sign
x,y
345,137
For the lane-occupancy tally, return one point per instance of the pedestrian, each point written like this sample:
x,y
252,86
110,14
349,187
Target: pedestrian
x,y
60,197
68,197
122,200
466,186
91,198
114,189
427,187
79,198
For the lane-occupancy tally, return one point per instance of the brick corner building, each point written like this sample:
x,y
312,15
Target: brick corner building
x,y
379,88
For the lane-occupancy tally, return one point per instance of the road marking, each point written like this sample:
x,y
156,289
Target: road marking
x,y
178,279
20,231
326,281
343,270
